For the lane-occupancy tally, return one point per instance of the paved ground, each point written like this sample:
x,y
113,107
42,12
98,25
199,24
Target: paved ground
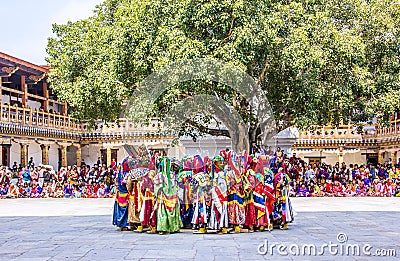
x,y
79,229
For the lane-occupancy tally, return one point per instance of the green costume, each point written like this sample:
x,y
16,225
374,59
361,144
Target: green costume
x,y
167,202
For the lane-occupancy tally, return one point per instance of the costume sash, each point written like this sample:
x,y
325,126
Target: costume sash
x,y
218,198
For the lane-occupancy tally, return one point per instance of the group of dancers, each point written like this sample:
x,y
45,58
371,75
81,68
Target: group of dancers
x,y
229,193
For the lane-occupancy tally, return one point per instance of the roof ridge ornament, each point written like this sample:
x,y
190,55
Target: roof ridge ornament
x,y
37,78
9,70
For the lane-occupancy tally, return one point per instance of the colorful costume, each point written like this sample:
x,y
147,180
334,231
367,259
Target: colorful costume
x,y
201,187
265,185
249,185
133,186
236,207
147,217
167,203
184,179
140,168
282,214
228,190
219,205
120,214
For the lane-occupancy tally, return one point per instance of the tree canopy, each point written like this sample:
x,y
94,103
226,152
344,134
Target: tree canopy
x,y
318,62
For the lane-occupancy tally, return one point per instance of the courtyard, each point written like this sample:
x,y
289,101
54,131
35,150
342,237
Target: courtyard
x,y
80,229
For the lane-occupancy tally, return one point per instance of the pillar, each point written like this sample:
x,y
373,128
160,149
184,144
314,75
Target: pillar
x,y
78,155
341,158
380,156
25,90
63,156
393,156
1,84
24,154
5,154
45,154
64,108
108,158
46,95
3,157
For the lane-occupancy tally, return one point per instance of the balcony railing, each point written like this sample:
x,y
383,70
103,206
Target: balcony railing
x,y
346,132
124,125
28,118
125,129
388,131
38,118
370,132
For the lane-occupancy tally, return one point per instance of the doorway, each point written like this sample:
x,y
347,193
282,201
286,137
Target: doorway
x,y
5,154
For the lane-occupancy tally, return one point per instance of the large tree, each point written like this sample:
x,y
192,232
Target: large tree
x,y
317,62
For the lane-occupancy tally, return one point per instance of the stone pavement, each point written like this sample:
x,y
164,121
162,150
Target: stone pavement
x,y
58,229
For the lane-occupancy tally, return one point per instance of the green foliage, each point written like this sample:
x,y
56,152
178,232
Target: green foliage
x,y
320,62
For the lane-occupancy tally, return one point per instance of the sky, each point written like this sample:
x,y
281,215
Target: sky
x,y
26,24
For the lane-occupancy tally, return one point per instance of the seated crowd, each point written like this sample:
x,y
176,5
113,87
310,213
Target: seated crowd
x,y
43,181
342,180
307,180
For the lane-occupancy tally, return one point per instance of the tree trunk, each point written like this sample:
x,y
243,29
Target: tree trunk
x,y
253,134
240,138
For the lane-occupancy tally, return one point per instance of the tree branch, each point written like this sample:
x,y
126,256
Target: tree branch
x,y
230,29
262,74
203,129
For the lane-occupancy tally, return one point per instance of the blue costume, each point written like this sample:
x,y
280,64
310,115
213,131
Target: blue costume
x,y
120,215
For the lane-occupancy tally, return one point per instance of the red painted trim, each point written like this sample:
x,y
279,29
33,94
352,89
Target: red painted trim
x,y
13,59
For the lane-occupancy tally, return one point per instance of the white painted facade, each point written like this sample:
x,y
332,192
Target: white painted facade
x,y
35,152
207,145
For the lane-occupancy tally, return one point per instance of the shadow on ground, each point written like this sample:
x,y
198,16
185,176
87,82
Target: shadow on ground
x,y
94,238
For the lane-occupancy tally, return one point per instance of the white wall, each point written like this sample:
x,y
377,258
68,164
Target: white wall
x,y
90,153
34,104
354,158
53,156
121,154
5,99
332,158
208,146
178,151
71,156
35,151
55,107
15,152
